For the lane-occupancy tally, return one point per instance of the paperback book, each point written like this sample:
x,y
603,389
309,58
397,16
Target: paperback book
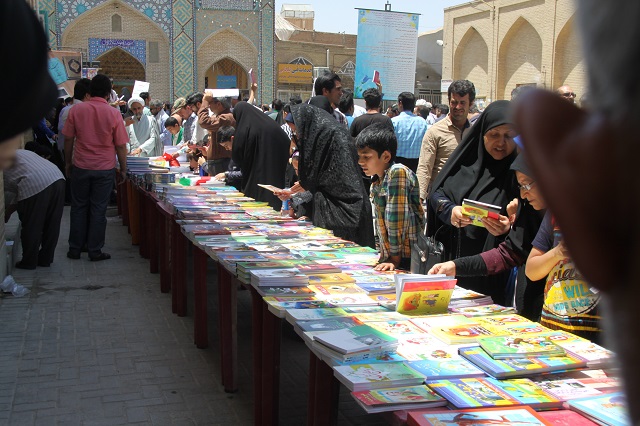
x,y
609,409
500,347
360,377
448,366
481,311
423,295
356,339
476,211
391,399
485,416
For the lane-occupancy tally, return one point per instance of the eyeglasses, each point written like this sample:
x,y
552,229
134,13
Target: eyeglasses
x,y
568,95
526,187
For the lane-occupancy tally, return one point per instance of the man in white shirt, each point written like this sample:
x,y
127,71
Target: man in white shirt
x,y
160,116
143,131
80,94
194,101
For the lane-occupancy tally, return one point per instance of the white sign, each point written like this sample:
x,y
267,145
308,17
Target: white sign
x,y
444,85
223,93
139,87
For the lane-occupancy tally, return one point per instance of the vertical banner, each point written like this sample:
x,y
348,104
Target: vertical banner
x,y
387,43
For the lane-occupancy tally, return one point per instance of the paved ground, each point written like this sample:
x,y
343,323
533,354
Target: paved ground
x,y
97,344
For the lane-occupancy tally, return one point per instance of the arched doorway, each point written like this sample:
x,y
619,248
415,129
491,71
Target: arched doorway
x,y
472,62
122,67
226,74
519,59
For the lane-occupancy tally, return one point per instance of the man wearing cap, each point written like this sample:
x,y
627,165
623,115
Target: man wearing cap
x,y
213,114
143,131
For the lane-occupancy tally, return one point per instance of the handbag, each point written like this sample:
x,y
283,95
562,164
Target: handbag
x,y
426,251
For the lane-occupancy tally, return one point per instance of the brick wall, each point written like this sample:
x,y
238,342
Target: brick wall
x,y
96,23
532,41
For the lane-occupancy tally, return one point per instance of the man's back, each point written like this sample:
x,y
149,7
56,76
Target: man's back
x,y
98,129
410,130
363,121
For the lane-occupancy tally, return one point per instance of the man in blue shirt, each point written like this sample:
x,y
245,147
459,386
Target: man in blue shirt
x,y
410,130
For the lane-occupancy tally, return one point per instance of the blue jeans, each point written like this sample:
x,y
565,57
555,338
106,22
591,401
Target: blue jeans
x,y
90,193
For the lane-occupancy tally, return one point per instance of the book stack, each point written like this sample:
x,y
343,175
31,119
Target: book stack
x,y
610,410
362,377
481,311
391,399
288,277
488,392
501,347
137,164
463,298
355,343
578,384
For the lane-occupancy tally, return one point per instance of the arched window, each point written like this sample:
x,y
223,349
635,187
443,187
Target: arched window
x,y
301,61
116,23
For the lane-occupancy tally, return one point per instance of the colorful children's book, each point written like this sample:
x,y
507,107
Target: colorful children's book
x,y
502,416
450,366
391,399
334,289
461,334
565,418
366,310
595,355
330,279
439,321
481,311
284,291
519,367
349,300
423,295
471,393
330,324
500,347
360,377
286,277
609,409
566,390
396,329
527,392
294,315
356,339
476,211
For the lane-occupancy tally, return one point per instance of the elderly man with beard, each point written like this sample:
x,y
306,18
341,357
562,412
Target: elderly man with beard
x,y
143,131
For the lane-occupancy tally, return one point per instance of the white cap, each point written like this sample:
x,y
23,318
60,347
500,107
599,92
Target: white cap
x,y
424,102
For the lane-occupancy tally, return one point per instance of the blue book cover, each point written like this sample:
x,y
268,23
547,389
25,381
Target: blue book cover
x,y
470,393
446,368
610,409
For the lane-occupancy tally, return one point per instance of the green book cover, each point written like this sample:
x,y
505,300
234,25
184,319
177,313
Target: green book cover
x,y
520,346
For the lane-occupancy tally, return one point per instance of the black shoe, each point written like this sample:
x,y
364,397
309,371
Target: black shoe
x,y
44,264
101,256
84,249
72,254
21,265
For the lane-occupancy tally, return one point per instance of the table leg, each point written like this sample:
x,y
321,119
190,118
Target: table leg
x,y
134,213
178,269
152,234
124,197
271,336
257,304
200,326
327,394
163,243
311,398
142,220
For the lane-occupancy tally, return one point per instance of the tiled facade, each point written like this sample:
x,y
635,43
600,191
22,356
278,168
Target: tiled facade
x,y
504,43
190,34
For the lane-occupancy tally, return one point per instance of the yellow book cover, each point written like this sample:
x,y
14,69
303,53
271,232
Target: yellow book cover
x,y
424,302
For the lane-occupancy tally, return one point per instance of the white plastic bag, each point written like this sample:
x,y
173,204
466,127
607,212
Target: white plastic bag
x,y
9,285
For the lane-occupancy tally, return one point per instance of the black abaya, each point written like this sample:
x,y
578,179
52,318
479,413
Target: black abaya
x,y
261,150
329,169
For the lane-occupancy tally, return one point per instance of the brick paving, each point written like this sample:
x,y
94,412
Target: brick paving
x,y
97,344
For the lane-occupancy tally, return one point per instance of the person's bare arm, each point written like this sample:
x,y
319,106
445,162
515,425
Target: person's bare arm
x,y
68,154
121,151
540,263
252,93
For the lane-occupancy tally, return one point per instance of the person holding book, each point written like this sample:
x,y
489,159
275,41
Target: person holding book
x,y
233,176
395,195
477,170
301,202
514,250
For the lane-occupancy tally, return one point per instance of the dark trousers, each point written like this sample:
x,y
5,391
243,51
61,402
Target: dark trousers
x,y
411,163
90,193
218,166
40,215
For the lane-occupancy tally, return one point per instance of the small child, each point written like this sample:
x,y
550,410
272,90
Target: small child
x,y
172,125
395,194
570,304
233,175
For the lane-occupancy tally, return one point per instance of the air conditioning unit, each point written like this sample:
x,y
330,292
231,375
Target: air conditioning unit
x,y
319,71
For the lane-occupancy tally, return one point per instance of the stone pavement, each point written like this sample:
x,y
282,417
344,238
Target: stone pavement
x,y
97,344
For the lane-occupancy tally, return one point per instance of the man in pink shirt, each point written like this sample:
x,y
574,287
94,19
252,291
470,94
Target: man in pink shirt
x,y
94,134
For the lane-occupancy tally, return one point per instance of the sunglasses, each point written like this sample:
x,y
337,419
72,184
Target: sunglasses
x,y
569,95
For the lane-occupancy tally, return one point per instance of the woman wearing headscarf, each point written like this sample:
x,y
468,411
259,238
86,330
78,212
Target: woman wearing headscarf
x,y
477,170
261,150
328,168
514,250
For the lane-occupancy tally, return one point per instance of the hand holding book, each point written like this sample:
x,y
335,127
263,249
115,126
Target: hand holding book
x,y
497,227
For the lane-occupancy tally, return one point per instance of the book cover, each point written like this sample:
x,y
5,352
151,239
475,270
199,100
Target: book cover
x,y
329,324
519,367
333,290
439,321
471,393
566,390
405,395
395,328
307,246
377,288
314,314
450,366
481,311
425,302
461,334
325,279
609,409
526,392
363,310
565,418
519,347
270,187
375,376
595,355
380,315
355,339
284,291
350,300
279,274
478,211
524,416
